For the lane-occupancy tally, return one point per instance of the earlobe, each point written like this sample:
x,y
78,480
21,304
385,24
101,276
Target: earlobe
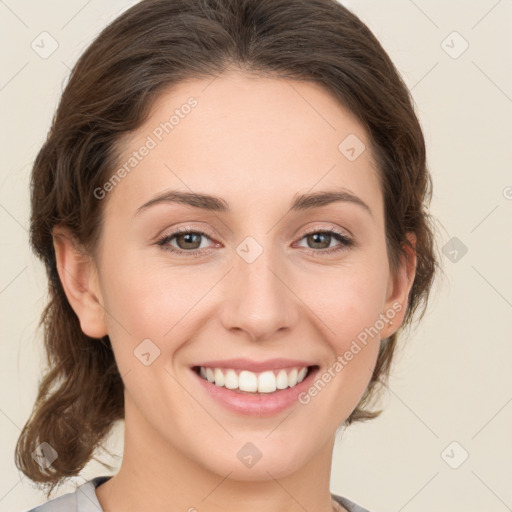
x,y
78,275
399,286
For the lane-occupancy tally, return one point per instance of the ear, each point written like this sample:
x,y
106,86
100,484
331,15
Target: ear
x,y
79,278
399,286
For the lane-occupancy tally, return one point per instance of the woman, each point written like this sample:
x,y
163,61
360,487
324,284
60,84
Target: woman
x,y
232,208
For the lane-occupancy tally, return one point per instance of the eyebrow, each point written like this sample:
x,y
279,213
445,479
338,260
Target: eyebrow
x,y
301,202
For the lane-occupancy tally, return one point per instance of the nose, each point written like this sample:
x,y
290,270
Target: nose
x,y
258,300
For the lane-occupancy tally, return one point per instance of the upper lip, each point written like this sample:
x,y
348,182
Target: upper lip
x,y
256,366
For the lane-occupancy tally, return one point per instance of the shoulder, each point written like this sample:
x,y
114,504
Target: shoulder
x,y
349,505
83,499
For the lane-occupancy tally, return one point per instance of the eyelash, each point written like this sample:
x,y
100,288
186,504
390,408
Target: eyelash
x,y
346,242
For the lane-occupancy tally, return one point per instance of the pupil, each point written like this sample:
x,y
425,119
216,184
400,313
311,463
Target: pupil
x,y
188,239
315,237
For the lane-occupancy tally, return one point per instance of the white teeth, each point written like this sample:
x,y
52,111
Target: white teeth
x,y
247,381
219,377
292,377
282,380
231,379
264,382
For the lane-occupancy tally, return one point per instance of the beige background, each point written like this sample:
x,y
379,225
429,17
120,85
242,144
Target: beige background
x,y
451,381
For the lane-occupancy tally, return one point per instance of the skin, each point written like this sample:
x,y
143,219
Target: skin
x,y
256,142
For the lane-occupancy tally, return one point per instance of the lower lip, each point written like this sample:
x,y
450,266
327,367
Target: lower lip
x,y
261,404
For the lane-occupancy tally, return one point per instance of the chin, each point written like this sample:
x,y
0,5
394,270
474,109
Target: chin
x,y
257,460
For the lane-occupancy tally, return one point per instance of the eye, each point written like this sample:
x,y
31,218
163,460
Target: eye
x,y
188,241
321,241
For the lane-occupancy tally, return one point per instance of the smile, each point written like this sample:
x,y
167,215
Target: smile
x,y
268,397
251,382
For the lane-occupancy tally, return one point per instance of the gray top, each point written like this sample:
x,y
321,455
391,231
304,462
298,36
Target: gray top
x,y
84,499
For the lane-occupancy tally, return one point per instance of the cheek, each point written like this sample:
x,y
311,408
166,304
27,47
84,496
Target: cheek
x,y
143,287
347,306
346,299
158,301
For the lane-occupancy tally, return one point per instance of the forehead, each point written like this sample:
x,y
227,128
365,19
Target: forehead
x,y
248,138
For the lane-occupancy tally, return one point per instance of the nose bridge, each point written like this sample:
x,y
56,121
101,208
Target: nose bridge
x,y
259,301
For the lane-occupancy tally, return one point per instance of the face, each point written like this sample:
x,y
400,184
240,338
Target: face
x,y
261,281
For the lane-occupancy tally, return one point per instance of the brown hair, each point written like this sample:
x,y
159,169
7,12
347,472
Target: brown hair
x,y
150,47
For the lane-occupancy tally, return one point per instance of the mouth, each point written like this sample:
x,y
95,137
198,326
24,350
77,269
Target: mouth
x,y
267,382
